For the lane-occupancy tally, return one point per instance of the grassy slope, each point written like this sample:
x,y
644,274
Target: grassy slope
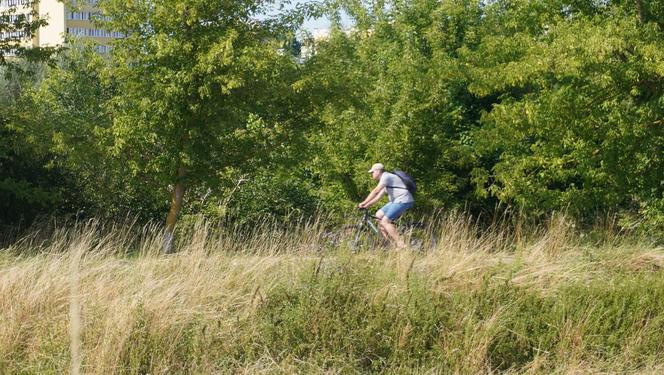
x,y
282,303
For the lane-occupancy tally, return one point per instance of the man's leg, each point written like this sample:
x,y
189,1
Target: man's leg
x,y
380,215
391,230
389,213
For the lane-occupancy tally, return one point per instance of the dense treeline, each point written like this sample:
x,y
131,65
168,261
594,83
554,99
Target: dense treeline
x,y
525,106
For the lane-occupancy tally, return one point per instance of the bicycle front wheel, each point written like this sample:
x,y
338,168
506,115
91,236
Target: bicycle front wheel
x,y
366,237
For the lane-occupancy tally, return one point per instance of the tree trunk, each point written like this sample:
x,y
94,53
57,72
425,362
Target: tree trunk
x,y
176,205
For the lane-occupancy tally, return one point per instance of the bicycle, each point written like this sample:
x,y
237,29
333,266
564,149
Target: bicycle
x,y
366,234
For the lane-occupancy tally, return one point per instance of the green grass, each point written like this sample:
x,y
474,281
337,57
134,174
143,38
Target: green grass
x,y
284,302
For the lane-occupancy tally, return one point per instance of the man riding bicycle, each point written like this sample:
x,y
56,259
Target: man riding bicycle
x,y
400,200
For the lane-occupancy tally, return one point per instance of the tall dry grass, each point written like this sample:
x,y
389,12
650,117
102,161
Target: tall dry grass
x,y
101,299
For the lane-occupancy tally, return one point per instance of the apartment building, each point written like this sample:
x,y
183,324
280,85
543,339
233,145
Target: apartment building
x,y
76,21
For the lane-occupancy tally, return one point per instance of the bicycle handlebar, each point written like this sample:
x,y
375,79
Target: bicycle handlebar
x,y
365,211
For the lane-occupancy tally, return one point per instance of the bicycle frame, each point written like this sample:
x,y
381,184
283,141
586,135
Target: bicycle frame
x,y
367,234
366,225
366,222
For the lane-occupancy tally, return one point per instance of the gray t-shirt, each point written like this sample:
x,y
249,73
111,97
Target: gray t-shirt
x,y
395,188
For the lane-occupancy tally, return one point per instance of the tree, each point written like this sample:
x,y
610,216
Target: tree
x,y
18,25
539,105
26,185
69,119
578,124
391,89
202,89
24,191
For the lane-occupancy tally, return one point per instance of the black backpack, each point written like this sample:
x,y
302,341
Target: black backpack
x,y
407,180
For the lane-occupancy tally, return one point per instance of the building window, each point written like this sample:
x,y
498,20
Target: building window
x,y
85,2
13,3
13,35
86,16
76,16
97,33
13,18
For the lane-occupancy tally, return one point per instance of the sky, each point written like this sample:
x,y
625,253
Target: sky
x,y
311,24
321,23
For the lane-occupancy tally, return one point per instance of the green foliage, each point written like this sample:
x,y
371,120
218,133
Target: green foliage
x,y
576,125
19,23
27,187
539,106
271,195
69,117
209,97
400,97
529,106
196,90
30,185
251,200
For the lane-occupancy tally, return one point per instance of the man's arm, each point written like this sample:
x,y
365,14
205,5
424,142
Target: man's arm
x,y
373,197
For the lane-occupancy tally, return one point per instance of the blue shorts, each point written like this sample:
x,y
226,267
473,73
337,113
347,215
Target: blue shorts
x,y
394,210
